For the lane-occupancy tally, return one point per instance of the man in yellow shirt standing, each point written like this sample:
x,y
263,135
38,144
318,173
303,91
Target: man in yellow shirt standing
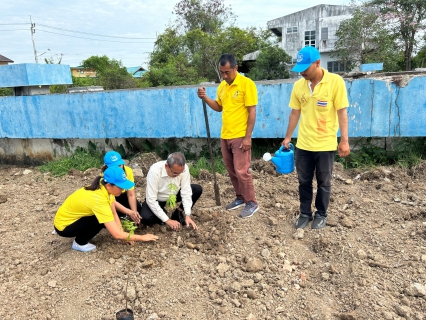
x,y
320,99
236,99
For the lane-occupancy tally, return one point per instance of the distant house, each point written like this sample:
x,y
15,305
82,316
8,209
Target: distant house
x,y
316,27
81,72
136,72
4,60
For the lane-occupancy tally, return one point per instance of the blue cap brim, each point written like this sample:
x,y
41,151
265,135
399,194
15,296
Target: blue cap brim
x,y
116,163
125,185
300,67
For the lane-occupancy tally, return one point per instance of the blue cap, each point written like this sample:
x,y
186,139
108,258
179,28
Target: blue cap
x,y
113,159
305,58
117,176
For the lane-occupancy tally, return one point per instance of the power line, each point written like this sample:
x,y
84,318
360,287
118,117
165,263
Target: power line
x,y
15,30
12,24
66,35
93,34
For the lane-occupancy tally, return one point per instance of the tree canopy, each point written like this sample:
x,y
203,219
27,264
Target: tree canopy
x,y
365,39
187,52
270,64
405,19
111,74
206,15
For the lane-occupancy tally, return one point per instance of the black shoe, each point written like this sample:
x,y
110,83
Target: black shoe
x,y
319,222
302,221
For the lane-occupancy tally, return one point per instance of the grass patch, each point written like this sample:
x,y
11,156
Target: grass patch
x,y
406,153
82,159
205,164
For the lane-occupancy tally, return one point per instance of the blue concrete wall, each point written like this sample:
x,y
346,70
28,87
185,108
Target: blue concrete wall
x,y
377,109
33,74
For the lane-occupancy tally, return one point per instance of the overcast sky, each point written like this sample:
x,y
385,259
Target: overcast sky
x,y
121,29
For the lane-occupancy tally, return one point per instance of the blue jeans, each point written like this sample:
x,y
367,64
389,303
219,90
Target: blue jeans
x,y
320,163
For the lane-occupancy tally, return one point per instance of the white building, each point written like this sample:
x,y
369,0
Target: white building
x,y
316,27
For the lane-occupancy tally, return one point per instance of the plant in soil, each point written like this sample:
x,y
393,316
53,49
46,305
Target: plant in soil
x,y
171,200
128,226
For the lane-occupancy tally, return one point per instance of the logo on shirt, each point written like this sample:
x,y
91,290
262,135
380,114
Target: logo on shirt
x,y
235,94
303,99
322,103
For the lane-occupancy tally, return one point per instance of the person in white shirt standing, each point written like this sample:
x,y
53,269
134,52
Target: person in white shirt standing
x,y
167,177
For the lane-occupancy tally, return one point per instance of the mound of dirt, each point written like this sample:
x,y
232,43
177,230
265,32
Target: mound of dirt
x,y
368,263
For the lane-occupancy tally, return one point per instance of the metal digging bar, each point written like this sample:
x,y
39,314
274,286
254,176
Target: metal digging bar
x,y
216,187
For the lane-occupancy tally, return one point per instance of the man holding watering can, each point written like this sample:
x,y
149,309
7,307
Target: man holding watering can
x,y
320,100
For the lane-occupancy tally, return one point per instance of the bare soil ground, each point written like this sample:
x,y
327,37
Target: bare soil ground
x,y
368,263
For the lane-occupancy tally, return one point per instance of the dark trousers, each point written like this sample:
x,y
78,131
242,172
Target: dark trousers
x,y
320,163
149,218
124,200
83,229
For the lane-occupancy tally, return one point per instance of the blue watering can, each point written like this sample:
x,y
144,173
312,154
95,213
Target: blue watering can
x,y
283,159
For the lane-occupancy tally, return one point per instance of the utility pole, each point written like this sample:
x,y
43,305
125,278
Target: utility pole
x,y
32,38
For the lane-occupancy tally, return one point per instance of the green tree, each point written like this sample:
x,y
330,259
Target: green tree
x,y
83,81
206,15
202,32
111,74
419,61
6,92
405,19
176,71
271,64
365,39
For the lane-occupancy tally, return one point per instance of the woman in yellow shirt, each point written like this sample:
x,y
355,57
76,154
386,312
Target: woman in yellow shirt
x,y
85,212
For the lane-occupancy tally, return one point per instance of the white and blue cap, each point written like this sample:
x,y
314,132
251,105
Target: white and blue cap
x,y
117,176
113,159
305,58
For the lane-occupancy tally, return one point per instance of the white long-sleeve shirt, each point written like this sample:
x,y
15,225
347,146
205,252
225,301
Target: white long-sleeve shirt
x,y
157,181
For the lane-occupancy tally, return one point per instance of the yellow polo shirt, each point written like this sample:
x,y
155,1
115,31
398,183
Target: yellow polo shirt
x,y
85,203
319,122
234,100
129,176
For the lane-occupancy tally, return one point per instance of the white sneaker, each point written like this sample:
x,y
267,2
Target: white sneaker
x,y
85,248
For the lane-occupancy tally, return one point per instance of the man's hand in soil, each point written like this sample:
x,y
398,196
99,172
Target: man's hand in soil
x,y
173,224
190,222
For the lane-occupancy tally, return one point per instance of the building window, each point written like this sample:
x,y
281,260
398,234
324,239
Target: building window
x,y
292,30
336,66
324,33
310,38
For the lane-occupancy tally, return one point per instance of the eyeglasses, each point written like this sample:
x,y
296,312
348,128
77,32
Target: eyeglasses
x,y
175,173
